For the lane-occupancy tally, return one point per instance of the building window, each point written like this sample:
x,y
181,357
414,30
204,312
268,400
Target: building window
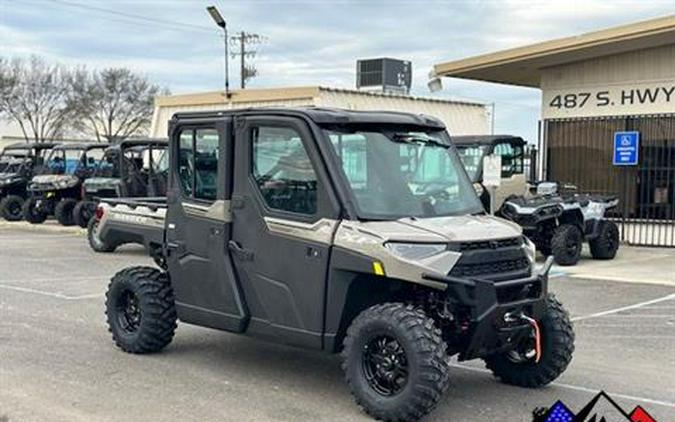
x,y
282,170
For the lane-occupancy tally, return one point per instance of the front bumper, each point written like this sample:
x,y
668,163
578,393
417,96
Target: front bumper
x,y
491,302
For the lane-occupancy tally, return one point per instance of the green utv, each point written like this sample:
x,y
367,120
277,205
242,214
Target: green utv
x,y
130,168
357,233
18,163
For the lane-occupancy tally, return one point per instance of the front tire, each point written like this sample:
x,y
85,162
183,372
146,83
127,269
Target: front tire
x,y
32,212
11,208
607,243
557,346
140,310
395,362
64,211
566,244
83,212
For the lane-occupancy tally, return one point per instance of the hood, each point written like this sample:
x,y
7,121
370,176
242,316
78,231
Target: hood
x,y
443,229
93,183
7,176
44,179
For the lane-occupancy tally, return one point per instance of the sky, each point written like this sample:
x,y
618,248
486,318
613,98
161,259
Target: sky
x,y
176,44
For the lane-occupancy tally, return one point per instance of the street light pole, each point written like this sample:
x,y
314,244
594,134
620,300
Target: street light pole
x,y
218,19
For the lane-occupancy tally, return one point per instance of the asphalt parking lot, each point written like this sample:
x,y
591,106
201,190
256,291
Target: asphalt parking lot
x,y
57,361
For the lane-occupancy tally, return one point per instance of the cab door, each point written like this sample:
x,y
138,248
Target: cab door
x,y
284,216
199,226
514,181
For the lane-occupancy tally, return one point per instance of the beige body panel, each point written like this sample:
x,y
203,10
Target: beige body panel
x,y
514,185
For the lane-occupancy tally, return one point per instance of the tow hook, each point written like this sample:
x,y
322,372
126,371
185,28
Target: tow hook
x,y
510,317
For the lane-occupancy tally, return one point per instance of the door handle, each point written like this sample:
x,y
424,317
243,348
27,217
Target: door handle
x,y
241,253
177,247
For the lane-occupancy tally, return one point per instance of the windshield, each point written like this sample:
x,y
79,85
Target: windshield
x,y
10,164
63,161
395,174
108,165
472,157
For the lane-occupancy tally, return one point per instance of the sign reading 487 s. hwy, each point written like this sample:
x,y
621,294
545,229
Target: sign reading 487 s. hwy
x,y
608,101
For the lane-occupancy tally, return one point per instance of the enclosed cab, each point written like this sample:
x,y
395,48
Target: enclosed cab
x,y
511,149
18,162
130,169
57,186
343,231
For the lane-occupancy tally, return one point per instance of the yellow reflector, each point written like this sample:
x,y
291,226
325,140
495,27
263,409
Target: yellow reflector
x,y
378,269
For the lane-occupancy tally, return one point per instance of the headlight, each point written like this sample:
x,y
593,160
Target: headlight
x,y
530,249
415,251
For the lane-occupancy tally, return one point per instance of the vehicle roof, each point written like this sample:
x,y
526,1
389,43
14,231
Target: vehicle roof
x,y
485,139
323,115
81,145
131,143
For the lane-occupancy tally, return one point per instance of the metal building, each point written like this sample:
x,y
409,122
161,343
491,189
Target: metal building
x,y
595,87
461,117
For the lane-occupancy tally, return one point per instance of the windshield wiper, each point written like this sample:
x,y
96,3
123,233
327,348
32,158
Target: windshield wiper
x,y
409,139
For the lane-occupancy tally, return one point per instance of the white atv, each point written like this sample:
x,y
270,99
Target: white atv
x,y
559,223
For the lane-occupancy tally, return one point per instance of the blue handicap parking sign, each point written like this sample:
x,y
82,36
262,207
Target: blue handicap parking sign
x,y
626,147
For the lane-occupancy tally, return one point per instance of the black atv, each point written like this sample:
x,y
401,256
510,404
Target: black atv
x,y
559,221
130,169
57,187
17,164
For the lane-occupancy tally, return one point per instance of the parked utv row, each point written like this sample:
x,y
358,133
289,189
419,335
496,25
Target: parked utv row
x,y
67,180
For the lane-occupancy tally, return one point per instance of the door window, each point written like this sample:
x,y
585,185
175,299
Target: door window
x,y
198,163
282,170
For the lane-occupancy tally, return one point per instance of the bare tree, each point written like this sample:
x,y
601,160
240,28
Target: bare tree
x,y
113,104
34,94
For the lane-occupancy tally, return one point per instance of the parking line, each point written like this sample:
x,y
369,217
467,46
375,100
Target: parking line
x,y
50,294
578,388
625,308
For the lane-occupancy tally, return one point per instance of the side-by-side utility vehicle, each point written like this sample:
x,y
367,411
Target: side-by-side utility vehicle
x,y
343,231
18,162
131,168
58,186
511,149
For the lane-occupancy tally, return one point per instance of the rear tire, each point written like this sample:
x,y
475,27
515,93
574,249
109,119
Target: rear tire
x,y
64,211
83,212
94,238
11,208
395,362
566,244
140,310
557,342
32,213
607,243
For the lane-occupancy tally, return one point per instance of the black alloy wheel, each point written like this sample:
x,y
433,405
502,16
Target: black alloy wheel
x,y
385,365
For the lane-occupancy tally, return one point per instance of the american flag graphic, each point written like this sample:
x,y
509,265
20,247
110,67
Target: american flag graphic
x,y
559,413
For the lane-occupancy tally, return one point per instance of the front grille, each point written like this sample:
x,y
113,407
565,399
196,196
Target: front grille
x,y
495,260
490,268
490,244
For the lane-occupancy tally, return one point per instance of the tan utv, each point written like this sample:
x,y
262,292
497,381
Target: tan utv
x,y
347,232
472,149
